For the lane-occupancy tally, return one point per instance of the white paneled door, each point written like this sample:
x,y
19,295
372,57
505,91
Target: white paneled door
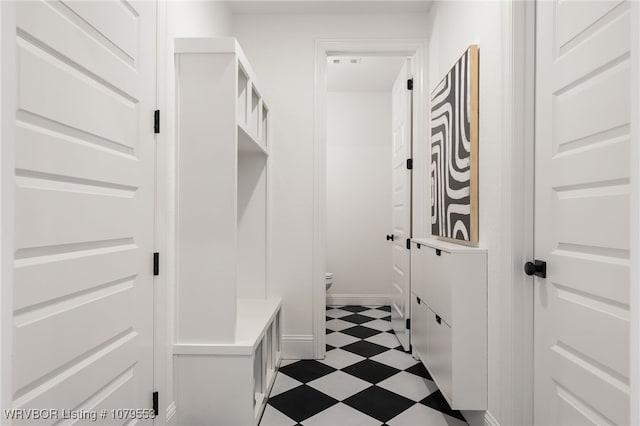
x,y
84,207
401,205
581,308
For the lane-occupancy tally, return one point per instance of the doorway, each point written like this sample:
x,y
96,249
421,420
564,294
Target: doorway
x,y
358,185
323,239
368,188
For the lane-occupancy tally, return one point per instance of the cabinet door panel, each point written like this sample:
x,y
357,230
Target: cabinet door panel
x,y
419,281
419,333
439,353
438,282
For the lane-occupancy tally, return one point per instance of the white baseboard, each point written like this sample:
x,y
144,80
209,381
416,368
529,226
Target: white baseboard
x,y
171,413
358,299
297,346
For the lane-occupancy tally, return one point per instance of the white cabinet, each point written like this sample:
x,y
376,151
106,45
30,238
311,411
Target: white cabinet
x,y
419,326
228,384
228,336
449,318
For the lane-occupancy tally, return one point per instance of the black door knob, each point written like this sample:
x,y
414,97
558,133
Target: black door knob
x,y
537,268
529,268
390,237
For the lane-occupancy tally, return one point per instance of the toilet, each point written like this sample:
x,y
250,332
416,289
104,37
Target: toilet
x,y
328,279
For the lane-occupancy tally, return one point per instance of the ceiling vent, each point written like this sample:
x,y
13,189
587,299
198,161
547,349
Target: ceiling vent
x,y
345,60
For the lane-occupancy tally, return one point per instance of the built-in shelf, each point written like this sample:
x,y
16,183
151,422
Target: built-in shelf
x,y
243,82
254,316
254,111
247,143
264,128
228,331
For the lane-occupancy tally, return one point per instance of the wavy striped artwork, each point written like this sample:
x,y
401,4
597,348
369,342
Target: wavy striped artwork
x,y
454,151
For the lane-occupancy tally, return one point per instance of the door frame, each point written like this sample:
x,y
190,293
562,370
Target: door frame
x,y
415,48
634,254
7,167
516,304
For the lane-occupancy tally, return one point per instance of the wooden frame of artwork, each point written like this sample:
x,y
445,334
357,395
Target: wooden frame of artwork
x,y
454,152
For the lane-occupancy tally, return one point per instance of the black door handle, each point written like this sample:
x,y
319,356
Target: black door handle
x,y
537,268
390,237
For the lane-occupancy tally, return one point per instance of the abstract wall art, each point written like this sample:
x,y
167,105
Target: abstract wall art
x,y
454,151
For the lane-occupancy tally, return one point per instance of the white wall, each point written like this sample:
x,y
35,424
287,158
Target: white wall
x,y
198,19
281,50
453,27
179,19
358,194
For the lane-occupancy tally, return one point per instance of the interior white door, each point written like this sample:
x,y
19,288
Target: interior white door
x,y
581,308
84,207
401,205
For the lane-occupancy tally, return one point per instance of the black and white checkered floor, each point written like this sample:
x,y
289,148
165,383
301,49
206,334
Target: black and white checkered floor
x,y
365,379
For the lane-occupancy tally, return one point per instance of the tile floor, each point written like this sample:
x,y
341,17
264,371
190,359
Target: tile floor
x,y
365,379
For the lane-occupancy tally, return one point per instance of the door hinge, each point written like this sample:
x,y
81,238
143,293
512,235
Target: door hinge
x,y
408,323
156,263
408,243
156,121
410,84
156,409
409,163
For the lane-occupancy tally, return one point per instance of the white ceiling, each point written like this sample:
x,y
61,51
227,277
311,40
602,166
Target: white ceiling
x,y
372,74
328,6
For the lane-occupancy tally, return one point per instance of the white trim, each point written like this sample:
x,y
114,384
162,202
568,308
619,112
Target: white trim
x,y
298,346
318,280
516,330
162,361
7,168
358,299
634,255
401,47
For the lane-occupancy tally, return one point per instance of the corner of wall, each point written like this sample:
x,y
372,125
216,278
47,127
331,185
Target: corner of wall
x,y
298,346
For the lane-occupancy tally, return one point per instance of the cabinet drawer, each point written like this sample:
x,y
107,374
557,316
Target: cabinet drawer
x,y
419,317
438,276
439,352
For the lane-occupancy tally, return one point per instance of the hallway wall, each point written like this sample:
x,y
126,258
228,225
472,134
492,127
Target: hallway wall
x,y
359,197
281,50
453,27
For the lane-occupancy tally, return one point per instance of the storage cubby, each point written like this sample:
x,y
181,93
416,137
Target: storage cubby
x,y
243,82
449,318
254,112
252,236
228,336
258,375
264,135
